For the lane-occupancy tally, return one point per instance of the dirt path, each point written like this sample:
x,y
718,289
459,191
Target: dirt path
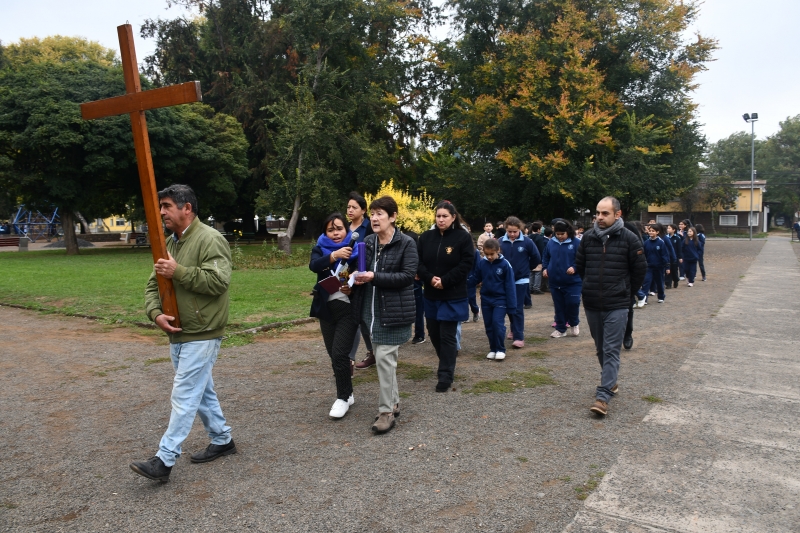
x,y
81,400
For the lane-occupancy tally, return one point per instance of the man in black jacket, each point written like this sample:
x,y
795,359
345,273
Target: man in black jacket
x,y
611,262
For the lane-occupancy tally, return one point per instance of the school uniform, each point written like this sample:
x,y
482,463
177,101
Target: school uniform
x,y
523,257
564,288
657,256
691,255
681,266
702,238
676,266
472,285
672,259
498,295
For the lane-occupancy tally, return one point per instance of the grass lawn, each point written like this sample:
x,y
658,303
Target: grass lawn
x,y
110,283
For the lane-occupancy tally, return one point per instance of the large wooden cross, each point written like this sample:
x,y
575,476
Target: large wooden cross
x,y
135,102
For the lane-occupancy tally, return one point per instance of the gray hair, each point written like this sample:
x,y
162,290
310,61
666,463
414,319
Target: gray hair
x,y
614,203
181,195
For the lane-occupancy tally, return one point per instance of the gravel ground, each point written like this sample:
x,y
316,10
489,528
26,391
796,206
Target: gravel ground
x,y
81,400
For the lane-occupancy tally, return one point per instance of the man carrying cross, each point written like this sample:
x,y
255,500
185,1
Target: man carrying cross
x,y
199,265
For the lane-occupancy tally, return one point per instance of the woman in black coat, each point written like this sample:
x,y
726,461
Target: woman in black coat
x,y
332,306
384,300
446,254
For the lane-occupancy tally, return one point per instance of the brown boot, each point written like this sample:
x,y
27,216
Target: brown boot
x,y
395,411
368,361
384,423
599,407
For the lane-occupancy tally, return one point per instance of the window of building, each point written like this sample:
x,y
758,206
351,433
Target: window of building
x,y
728,220
120,222
754,219
664,219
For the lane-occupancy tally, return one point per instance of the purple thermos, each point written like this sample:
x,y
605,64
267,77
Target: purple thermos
x,y
361,248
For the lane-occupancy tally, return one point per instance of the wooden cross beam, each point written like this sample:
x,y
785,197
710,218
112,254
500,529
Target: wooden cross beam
x,y
135,102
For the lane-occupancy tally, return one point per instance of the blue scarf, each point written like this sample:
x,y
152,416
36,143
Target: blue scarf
x,y
328,246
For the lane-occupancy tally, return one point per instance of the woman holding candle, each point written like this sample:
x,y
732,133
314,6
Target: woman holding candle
x,y
332,306
384,300
446,255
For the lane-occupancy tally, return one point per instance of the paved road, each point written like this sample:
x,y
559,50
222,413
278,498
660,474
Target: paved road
x,y
722,454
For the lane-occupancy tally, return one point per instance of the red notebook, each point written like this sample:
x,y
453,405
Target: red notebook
x,y
331,284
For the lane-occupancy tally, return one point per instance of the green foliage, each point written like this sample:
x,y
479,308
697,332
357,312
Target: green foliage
x,y
415,213
110,283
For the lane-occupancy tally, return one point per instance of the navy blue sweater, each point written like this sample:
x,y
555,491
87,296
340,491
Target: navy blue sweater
x,y
558,258
522,254
691,252
677,245
673,258
497,278
655,251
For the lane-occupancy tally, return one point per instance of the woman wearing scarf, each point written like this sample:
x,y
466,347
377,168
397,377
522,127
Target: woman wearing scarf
x,y
332,306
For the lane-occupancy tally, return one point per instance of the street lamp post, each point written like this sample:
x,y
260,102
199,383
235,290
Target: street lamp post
x,y
752,118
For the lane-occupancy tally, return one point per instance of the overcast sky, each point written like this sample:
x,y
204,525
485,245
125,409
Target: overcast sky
x,y
757,67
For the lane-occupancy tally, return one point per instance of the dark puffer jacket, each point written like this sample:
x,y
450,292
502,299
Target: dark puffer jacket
x,y
612,269
393,281
449,256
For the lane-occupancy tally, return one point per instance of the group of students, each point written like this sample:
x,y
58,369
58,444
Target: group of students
x,y
404,278
673,253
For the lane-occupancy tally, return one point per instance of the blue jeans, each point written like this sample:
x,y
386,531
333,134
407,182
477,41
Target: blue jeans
x,y
193,394
517,316
567,304
494,322
607,329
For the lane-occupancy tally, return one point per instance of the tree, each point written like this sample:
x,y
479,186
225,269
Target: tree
x,y
576,99
49,156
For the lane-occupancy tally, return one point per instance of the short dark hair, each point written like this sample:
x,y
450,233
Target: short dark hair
x,y
562,225
385,203
536,226
181,195
358,198
491,244
513,221
700,228
330,218
548,231
614,203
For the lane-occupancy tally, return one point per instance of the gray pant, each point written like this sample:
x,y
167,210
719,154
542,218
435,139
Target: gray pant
x,y
386,361
607,329
536,281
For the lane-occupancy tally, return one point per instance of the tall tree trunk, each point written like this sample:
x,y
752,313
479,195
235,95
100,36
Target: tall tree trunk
x,y
285,239
713,226
68,224
84,224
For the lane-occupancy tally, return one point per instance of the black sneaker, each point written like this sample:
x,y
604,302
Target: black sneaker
x,y
527,306
418,340
475,316
443,387
213,451
154,468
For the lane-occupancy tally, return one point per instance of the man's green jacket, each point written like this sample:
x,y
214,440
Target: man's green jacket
x,y
201,283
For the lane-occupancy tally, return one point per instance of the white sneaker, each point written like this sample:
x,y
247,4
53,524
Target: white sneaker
x,y
557,334
641,303
690,284
339,408
490,355
682,278
575,331
499,356
651,293
351,400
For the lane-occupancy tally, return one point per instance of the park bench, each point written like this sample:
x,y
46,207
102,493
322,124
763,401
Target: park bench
x,y
141,240
21,243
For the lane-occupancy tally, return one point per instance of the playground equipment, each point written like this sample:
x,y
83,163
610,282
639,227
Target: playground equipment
x,y
34,225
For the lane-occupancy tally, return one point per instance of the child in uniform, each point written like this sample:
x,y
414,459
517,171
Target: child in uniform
x,y
691,254
558,266
657,256
524,257
701,236
677,245
498,296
